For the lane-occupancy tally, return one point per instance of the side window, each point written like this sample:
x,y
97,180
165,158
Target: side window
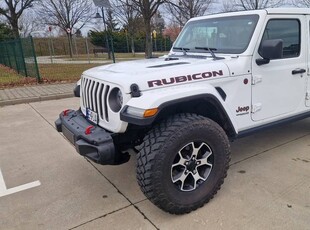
x,y
289,31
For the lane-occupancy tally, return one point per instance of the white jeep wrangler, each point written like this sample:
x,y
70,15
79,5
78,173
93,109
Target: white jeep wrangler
x,y
228,75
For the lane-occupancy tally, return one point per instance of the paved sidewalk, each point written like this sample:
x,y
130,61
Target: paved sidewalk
x,y
35,93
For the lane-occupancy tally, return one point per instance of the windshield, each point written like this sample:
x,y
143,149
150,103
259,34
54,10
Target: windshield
x,y
223,35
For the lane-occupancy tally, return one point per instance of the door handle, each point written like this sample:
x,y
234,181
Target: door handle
x,y
298,71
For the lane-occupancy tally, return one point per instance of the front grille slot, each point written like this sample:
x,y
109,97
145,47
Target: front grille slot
x,y
95,97
91,96
83,83
105,102
87,94
99,99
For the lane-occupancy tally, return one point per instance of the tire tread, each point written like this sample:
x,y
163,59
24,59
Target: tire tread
x,y
151,146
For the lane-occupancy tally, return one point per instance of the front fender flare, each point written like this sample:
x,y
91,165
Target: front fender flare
x,y
165,98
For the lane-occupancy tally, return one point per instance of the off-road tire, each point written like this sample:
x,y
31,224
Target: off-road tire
x,y
158,152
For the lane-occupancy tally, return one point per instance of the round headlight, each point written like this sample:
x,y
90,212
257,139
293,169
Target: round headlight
x,y
116,100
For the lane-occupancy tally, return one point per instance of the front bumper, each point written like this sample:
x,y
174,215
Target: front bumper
x,y
90,141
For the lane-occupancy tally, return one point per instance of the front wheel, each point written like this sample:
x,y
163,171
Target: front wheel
x,y
183,162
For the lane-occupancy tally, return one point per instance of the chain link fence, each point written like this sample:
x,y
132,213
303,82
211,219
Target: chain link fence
x,y
48,59
57,65
60,46
83,48
19,54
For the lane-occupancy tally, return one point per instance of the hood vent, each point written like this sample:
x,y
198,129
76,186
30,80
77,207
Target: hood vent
x,y
167,65
171,59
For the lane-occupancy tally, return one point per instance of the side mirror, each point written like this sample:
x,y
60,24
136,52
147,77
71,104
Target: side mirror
x,y
269,50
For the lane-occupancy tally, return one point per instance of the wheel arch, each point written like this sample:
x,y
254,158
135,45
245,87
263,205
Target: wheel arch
x,y
205,105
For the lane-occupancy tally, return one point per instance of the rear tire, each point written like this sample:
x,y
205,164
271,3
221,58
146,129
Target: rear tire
x,y
182,163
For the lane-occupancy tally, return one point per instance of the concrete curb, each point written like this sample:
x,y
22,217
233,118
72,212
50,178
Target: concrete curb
x,y
35,99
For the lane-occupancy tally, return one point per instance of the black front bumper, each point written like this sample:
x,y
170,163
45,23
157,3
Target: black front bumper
x,y
95,144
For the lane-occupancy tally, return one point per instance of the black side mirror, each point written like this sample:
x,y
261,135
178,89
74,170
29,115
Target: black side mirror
x,y
269,50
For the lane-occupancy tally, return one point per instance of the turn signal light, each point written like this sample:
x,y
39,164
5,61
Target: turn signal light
x,y
150,112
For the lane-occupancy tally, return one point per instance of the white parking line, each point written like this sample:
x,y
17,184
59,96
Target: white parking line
x,y
4,191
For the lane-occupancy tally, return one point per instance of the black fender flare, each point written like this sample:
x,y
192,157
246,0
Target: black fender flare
x,y
165,109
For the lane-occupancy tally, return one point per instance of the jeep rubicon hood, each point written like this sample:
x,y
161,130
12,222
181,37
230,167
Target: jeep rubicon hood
x,y
160,72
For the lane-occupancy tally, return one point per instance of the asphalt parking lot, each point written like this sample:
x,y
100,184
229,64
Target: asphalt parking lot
x,y
45,184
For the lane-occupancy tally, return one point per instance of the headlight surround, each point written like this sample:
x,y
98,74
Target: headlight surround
x,y
141,113
133,111
116,100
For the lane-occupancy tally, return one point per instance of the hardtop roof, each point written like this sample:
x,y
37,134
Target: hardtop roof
x,y
283,11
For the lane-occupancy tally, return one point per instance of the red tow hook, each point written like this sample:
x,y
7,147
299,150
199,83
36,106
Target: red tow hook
x,y
65,112
88,129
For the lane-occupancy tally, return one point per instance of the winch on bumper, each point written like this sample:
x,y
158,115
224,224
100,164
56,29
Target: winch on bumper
x,y
90,141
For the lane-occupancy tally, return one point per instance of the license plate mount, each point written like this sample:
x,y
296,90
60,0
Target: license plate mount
x,y
91,116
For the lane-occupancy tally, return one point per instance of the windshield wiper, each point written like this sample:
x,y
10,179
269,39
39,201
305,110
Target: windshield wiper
x,y
211,52
183,49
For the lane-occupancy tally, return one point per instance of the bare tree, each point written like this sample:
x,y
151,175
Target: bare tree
x,y
66,14
253,4
29,22
227,6
183,10
301,3
172,30
147,8
129,17
112,23
158,23
13,10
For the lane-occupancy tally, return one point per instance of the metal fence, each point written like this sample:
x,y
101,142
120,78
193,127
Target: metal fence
x,y
19,54
83,47
49,59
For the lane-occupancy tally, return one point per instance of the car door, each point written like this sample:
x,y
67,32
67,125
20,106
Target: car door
x,y
278,87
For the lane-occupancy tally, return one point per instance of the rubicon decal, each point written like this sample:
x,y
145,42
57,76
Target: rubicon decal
x,y
184,78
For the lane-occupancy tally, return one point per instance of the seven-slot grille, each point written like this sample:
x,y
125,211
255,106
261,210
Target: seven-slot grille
x,y
95,97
